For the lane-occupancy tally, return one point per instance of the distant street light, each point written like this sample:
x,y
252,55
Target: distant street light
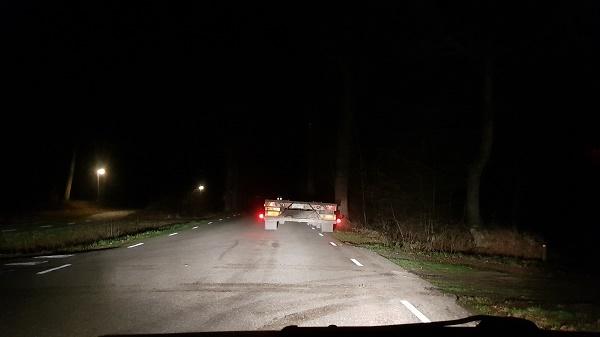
x,y
201,188
100,172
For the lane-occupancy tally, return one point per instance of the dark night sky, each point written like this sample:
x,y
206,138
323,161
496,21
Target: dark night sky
x,y
157,92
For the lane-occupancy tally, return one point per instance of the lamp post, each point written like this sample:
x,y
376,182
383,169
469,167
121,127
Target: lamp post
x,y
100,172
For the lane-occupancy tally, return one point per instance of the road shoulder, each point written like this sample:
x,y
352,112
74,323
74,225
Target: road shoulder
x,y
498,286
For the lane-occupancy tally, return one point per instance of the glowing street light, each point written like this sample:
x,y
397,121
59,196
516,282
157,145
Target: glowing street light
x,y
100,172
201,188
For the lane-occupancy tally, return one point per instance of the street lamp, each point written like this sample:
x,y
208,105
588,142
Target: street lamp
x,y
201,188
100,172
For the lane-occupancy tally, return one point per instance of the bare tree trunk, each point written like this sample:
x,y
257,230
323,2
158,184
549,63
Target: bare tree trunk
x,y
476,168
231,183
362,182
344,143
70,177
310,176
516,203
433,191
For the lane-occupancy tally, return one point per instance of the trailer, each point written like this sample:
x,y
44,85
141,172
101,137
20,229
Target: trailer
x,y
317,214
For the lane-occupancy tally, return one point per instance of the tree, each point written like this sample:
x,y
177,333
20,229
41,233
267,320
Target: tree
x,y
344,142
476,168
310,174
231,180
70,177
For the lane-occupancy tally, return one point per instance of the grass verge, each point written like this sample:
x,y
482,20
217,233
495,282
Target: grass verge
x,y
498,285
84,236
131,238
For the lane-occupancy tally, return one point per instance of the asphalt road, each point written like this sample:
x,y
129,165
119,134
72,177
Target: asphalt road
x,y
229,275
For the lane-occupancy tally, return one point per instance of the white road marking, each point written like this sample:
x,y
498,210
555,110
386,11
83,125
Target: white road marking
x,y
54,256
32,263
173,234
8,230
53,269
194,227
333,244
209,222
71,223
320,234
356,262
313,227
415,311
220,219
136,245
46,226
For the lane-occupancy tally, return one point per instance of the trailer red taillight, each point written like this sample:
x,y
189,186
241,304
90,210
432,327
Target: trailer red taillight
x,y
261,216
338,220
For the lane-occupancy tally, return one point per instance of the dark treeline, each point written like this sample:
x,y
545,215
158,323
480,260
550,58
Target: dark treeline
x,y
259,103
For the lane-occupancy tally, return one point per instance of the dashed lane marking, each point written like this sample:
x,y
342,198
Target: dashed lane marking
x,y
415,311
32,263
53,269
54,256
356,262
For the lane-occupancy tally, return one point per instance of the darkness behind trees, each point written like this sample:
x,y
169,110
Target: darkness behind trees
x,y
163,94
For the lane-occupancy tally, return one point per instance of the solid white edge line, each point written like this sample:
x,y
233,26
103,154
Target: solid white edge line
x,y
415,311
194,227
136,245
356,262
173,234
320,234
32,263
53,269
53,256
333,244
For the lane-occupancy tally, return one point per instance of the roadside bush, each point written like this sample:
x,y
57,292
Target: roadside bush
x,y
508,242
415,235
